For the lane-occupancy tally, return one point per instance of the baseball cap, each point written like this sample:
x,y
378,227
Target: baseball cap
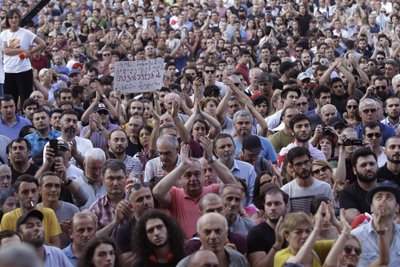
x,y
31,213
100,106
384,186
252,143
303,76
336,121
74,72
63,143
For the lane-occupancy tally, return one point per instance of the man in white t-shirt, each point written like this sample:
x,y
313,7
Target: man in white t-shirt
x,y
304,187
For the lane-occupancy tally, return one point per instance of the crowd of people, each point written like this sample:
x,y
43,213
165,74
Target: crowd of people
x,y
274,140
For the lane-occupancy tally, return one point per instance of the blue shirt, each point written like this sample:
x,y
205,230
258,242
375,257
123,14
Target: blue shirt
x,y
368,238
70,255
38,143
12,132
268,151
387,132
55,257
246,172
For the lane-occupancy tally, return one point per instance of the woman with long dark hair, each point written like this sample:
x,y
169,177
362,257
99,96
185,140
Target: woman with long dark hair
x,y
18,45
100,252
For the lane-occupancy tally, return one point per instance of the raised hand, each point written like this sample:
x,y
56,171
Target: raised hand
x,y
207,146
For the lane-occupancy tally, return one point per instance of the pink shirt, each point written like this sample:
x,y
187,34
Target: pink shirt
x,y
186,210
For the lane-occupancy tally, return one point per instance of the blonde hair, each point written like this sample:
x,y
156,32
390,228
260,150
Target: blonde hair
x,y
294,219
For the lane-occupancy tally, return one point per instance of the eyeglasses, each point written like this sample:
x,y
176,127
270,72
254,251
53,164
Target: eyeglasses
x,y
209,71
380,58
54,50
106,55
299,51
300,164
317,171
352,107
301,104
379,88
377,135
219,76
372,110
348,249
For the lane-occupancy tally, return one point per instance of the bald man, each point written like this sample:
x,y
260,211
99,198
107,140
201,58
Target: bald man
x,y
203,258
328,112
169,101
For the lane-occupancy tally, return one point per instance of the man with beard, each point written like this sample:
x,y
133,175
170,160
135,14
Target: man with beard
x,y
265,239
391,170
83,229
300,125
79,145
30,227
158,241
232,196
392,109
44,132
304,187
224,149
354,198
117,145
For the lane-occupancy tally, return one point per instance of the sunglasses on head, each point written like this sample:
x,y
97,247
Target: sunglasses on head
x,y
317,171
348,249
139,185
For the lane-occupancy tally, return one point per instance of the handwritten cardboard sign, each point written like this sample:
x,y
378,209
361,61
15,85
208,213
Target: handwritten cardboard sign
x,y
139,76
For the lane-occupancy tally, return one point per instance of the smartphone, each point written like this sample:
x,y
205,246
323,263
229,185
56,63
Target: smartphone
x,y
54,146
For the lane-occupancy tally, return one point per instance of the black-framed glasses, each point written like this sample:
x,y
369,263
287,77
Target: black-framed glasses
x,y
106,55
348,249
380,58
377,135
209,71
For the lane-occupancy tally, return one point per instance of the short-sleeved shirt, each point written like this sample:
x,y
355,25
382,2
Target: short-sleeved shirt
x,y
260,238
300,197
280,140
246,172
70,255
321,250
97,138
55,257
38,143
50,223
154,166
384,174
186,209
22,39
354,197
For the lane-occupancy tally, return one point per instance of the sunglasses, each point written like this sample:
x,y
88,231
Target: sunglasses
x,y
219,76
102,112
139,185
380,58
352,107
106,55
348,249
317,171
377,135
380,87
209,71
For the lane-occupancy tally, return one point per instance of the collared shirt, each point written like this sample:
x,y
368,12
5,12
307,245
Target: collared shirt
x,y
38,143
97,138
104,211
12,132
368,238
246,172
55,257
133,164
388,123
70,255
93,193
154,166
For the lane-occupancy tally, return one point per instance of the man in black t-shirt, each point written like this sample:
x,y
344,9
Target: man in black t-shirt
x,y
391,170
354,198
263,241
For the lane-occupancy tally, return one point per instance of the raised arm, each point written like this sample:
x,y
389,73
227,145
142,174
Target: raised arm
x,y
220,169
223,106
336,250
327,74
351,87
161,190
183,133
383,243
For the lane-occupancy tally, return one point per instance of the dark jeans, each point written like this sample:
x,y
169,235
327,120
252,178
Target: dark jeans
x,y
19,85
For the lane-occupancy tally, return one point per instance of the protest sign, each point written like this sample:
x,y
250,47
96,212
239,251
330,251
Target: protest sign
x,y
139,76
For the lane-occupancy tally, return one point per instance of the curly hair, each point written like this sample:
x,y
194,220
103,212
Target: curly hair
x,y
87,256
142,246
